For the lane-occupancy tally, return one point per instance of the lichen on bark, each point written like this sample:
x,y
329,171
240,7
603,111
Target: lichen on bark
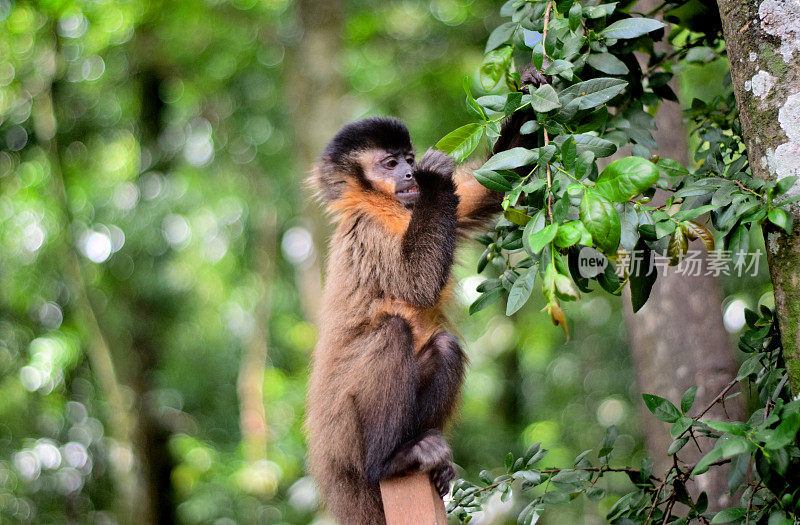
x,y
770,119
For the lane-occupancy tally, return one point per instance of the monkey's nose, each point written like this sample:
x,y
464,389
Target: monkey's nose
x,y
408,176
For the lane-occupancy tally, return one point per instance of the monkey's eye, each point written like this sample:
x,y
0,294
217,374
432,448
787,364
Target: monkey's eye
x,y
390,163
410,161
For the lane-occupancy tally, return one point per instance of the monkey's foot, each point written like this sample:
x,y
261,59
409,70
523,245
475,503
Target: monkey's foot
x,y
442,476
427,453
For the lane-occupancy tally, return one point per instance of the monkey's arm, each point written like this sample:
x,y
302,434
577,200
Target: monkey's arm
x,y
476,203
418,266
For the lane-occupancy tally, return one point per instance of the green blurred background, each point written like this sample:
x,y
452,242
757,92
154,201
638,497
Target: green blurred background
x,y
161,258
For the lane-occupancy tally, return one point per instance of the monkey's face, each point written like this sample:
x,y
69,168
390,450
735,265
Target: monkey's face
x,y
393,173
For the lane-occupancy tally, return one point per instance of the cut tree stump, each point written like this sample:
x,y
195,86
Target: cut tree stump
x,y
412,500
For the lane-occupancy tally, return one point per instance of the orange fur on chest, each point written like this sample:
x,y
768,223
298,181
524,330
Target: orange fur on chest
x,y
378,204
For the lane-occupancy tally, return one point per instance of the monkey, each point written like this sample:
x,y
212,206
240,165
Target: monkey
x,y
386,371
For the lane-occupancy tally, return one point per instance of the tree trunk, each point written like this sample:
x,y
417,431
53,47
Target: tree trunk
x,y
250,383
678,338
763,43
316,92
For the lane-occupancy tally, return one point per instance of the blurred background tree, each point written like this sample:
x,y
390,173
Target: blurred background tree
x,y
160,257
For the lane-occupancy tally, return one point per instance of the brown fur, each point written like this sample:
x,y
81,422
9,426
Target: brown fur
x,y
368,287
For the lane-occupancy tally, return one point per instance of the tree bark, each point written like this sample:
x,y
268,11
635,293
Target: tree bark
x,y
763,45
678,338
250,383
316,93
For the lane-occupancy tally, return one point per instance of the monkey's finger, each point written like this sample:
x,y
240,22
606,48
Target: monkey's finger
x,y
442,477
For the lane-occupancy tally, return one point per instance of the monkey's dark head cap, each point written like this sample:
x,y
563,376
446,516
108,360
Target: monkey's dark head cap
x,y
384,133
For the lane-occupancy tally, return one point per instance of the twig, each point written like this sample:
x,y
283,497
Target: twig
x,y
594,469
544,31
668,513
546,137
655,499
710,405
549,182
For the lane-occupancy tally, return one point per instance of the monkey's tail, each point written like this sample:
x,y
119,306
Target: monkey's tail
x,y
351,500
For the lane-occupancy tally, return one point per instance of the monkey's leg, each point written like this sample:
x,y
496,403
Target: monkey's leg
x,y
386,396
441,364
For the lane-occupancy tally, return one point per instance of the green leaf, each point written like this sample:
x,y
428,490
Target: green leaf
x,y
729,515
542,238
516,216
495,64
734,427
672,168
625,178
687,399
510,159
687,215
677,445
680,426
575,14
609,438
589,143
703,465
521,291
492,180
489,284
567,480
785,184
595,493
500,36
594,92
731,445
751,366
560,67
631,28
544,99
462,141
569,151
661,408
486,299
643,275
601,10
607,63
784,433
583,165
601,220
569,234
778,217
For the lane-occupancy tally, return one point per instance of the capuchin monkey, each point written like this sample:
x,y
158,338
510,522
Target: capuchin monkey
x,y
386,372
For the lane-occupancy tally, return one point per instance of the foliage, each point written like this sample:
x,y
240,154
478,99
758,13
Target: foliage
x,y
559,202
174,141
768,441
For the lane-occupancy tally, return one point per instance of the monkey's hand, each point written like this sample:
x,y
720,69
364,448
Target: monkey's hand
x,y
532,78
434,172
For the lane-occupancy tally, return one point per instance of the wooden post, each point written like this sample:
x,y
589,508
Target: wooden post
x,y
412,500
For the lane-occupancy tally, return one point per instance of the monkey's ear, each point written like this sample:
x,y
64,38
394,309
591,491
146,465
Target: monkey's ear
x,y
327,180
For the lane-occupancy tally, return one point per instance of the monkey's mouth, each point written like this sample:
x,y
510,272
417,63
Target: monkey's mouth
x,y
407,194
411,190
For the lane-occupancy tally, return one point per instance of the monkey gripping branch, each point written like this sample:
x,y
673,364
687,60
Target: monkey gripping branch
x,y
558,204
